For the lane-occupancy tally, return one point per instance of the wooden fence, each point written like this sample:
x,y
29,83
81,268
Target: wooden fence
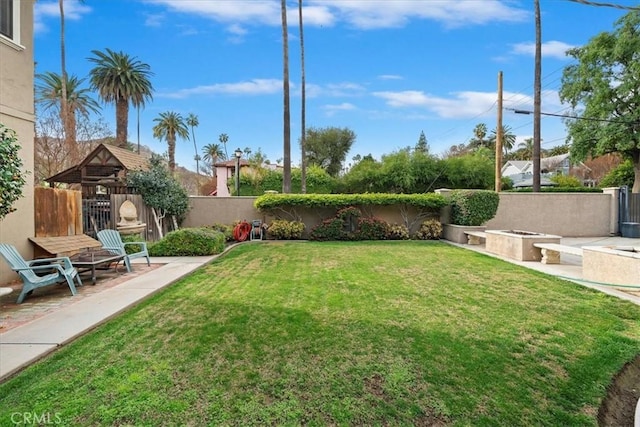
x,y
57,212
65,213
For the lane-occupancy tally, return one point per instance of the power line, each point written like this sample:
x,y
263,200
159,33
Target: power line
x,y
601,4
565,116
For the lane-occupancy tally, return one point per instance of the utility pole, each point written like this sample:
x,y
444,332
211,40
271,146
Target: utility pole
x,y
499,137
536,103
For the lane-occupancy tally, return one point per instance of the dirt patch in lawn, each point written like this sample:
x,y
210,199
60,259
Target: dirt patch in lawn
x,y
618,407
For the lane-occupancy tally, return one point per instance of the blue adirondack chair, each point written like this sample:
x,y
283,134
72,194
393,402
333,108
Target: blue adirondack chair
x,y
54,270
112,242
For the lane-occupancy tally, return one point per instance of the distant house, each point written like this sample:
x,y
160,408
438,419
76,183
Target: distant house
x,y
227,170
521,171
17,113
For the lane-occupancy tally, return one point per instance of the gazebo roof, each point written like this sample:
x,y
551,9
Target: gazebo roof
x,y
102,166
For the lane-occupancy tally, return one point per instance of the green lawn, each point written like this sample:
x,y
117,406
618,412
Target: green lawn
x,y
376,333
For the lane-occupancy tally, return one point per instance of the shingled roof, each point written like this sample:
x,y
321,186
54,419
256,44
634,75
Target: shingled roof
x,y
106,163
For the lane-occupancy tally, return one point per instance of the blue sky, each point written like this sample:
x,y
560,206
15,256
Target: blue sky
x,y
386,69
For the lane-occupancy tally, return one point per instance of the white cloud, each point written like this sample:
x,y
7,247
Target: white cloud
x,y
363,14
368,14
389,77
154,20
73,11
331,110
552,49
468,104
252,87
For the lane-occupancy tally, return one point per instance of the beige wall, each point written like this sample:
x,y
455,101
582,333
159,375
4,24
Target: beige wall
x,y
206,210
563,214
17,113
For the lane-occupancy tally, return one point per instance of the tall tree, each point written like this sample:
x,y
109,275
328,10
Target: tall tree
x,y
526,149
603,82
303,107
169,126
49,94
69,141
422,145
328,147
508,138
224,138
211,153
286,175
192,121
479,134
121,79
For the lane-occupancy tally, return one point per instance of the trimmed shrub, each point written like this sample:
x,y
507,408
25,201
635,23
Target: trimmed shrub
x,y
225,229
431,229
130,238
189,242
372,229
282,229
473,207
398,232
348,224
329,229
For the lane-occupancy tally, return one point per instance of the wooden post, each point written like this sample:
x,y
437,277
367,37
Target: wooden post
x,y
499,136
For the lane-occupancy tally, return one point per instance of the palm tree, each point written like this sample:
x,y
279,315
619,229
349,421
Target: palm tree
x,y
526,149
68,123
121,79
479,133
49,93
508,138
211,153
303,165
286,175
169,126
192,120
224,138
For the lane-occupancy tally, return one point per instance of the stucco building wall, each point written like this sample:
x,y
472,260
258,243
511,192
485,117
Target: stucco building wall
x,y
17,113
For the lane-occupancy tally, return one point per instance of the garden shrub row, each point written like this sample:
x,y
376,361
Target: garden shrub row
x,y
282,201
350,224
200,241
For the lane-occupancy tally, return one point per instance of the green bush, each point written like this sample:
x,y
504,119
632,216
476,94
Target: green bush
x,y
349,224
473,207
566,181
329,229
371,229
623,174
282,229
130,238
225,229
430,229
189,242
398,232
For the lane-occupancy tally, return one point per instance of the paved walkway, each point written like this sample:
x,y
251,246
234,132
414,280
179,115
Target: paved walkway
x,y
65,320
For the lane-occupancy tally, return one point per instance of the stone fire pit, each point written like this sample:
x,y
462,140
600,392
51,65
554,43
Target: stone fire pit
x,y
517,244
619,265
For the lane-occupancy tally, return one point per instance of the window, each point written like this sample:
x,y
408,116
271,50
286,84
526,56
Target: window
x,y
6,18
10,20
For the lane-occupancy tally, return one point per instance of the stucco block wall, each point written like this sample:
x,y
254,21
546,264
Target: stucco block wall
x,y
564,214
17,113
